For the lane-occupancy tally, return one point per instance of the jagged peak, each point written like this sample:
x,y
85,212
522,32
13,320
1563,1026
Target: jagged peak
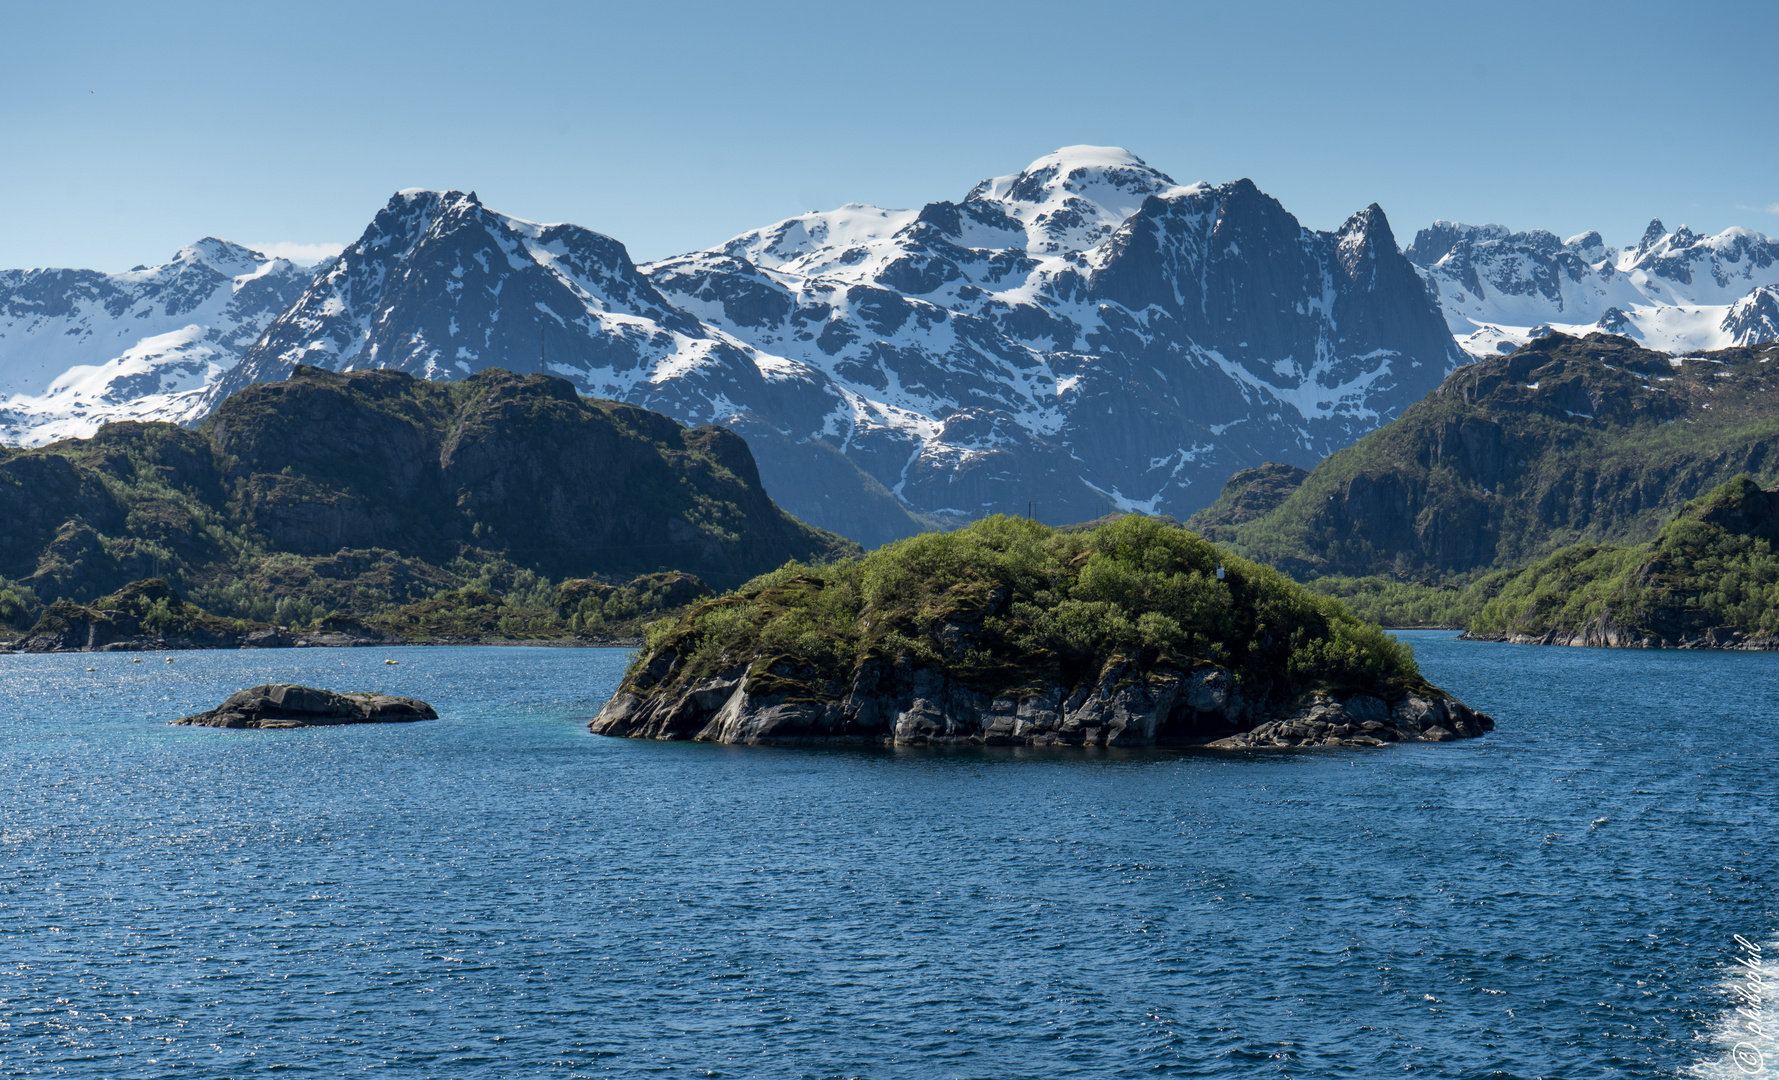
x,y
1367,228
1438,240
1589,246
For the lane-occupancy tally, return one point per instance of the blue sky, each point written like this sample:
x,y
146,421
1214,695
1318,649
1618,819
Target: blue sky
x,y
130,129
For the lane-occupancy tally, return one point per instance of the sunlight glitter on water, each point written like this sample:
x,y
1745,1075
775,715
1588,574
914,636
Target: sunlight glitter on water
x,y
498,893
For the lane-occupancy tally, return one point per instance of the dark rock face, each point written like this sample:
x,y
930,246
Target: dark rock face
x,y
1131,705
507,463
285,705
1249,494
1672,597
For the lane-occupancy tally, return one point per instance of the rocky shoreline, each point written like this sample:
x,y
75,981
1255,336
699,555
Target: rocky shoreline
x,y
1613,637
1131,704
305,639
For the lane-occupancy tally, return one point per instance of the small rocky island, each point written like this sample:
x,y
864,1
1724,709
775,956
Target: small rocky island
x,y
286,705
1009,632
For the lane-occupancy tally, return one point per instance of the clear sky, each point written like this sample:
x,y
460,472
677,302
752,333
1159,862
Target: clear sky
x,y
130,129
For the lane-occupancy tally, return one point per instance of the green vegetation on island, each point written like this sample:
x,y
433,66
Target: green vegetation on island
x,y
1028,605
1009,632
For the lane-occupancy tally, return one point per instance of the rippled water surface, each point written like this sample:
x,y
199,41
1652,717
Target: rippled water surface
x,y
499,893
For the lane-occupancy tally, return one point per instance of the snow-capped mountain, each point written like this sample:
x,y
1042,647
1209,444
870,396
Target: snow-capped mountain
x,y
441,286
1675,291
1084,334
1081,335
79,348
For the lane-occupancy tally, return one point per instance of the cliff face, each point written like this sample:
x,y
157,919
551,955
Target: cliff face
x,y
1568,439
325,471
517,464
1249,494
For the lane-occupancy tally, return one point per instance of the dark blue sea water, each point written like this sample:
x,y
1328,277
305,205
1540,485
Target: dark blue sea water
x,y
500,894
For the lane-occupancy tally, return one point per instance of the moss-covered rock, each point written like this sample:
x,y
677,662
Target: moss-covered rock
x,y
1133,633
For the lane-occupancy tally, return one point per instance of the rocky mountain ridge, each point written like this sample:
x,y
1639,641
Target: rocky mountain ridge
x,y
1086,334
79,348
1709,580
1080,337
1674,291
370,490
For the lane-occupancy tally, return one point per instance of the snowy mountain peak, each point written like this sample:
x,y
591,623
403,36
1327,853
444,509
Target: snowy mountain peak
x,y
1362,239
1590,246
441,286
225,257
850,228
1754,318
1075,196
81,347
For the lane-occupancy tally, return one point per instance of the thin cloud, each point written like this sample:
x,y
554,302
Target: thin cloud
x,y
303,254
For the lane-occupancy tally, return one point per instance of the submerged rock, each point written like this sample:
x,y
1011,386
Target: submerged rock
x,y
285,705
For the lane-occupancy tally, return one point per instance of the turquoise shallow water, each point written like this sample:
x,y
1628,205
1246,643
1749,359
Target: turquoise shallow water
x,y
500,894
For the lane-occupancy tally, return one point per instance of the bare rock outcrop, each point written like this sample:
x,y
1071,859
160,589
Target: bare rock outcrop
x,y
1130,704
286,705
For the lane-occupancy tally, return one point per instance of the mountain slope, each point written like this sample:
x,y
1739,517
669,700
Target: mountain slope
x,y
405,486
1082,336
1675,291
1709,580
1567,440
440,286
78,348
